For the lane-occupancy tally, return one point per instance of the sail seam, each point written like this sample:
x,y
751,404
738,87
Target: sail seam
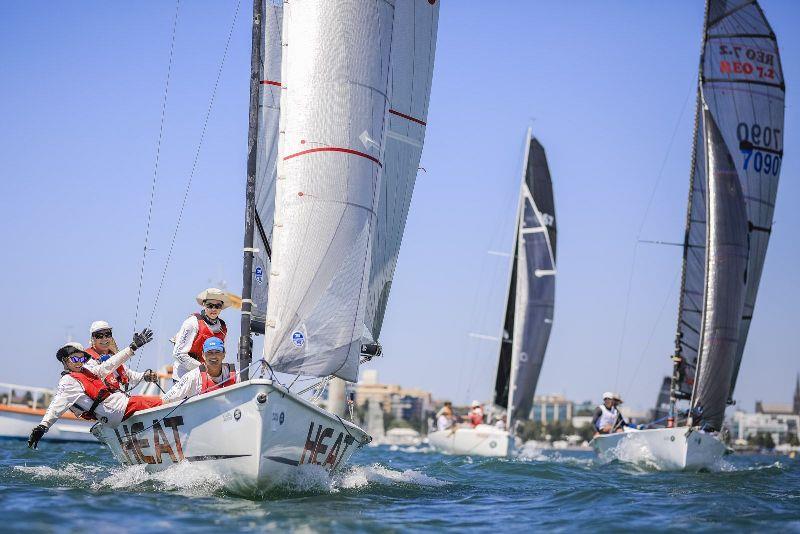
x,y
408,117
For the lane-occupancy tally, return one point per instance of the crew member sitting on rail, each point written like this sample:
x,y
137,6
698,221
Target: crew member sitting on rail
x,y
621,422
606,416
209,377
444,417
196,329
476,414
83,391
103,347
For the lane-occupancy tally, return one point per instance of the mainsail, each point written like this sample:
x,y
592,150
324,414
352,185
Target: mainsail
x,y
266,157
334,106
413,50
531,297
742,91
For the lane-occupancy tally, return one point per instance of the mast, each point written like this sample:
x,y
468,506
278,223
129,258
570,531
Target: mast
x,y
245,342
677,358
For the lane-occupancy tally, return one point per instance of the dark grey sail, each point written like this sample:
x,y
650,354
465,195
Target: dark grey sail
x,y
531,297
744,89
266,159
661,411
742,86
726,279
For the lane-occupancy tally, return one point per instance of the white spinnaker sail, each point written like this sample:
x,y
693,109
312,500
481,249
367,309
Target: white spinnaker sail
x,y
267,155
334,106
413,50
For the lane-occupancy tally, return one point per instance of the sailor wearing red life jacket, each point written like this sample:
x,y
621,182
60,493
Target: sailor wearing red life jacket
x,y
196,329
82,390
209,377
103,347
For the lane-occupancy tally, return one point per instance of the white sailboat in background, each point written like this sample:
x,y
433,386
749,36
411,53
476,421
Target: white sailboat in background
x,y
330,172
528,316
735,168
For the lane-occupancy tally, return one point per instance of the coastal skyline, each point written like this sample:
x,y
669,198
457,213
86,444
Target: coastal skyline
x,y
614,114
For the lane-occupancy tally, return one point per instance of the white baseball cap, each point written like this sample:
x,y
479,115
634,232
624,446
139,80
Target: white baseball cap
x,y
475,404
99,325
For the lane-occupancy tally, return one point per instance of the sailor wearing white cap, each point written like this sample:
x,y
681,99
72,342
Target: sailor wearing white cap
x,y
102,347
197,328
476,414
606,415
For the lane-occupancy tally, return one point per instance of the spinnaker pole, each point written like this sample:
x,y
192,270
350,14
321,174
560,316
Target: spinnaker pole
x,y
245,342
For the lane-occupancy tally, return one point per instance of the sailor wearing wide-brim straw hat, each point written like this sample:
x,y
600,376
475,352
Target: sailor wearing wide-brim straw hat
x,y
197,328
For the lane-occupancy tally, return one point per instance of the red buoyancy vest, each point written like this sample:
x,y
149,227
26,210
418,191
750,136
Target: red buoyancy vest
x,y
95,389
117,379
204,332
207,384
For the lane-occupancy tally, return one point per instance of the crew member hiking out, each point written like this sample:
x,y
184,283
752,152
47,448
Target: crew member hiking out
x,y
103,347
82,391
196,329
606,416
210,376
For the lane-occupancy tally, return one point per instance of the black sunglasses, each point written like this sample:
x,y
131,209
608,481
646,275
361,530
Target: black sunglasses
x,y
102,335
213,306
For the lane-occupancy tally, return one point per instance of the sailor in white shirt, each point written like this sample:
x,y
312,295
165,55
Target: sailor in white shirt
x,y
197,328
210,376
83,391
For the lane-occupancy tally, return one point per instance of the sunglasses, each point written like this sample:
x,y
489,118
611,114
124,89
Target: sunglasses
x,y
101,335
81,358
213,306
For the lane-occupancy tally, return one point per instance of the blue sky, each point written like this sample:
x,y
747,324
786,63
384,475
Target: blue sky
x,y
608,86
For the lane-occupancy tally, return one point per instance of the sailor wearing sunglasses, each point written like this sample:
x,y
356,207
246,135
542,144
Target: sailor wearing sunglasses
x,y
196,329
103,347
82,390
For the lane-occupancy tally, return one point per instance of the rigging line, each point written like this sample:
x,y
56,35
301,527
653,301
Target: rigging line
x,y
196,159
158,159
641,227
653,331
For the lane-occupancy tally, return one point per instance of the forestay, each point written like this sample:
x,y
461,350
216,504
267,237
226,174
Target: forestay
x,y
413,50
267,155
743,88
334,106
532,289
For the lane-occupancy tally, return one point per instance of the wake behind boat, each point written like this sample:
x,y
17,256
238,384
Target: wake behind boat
x,y
527,320
735,167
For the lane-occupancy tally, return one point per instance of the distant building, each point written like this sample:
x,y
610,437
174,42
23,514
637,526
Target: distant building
x,y
401,403
749,425
549,409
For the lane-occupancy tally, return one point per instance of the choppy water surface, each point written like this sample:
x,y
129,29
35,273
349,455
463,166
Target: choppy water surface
x,y
71,487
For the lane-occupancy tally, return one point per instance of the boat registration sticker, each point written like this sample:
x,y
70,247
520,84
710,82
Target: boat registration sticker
x,y
278,417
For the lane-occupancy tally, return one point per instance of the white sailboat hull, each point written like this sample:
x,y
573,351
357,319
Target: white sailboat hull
x,y
254,435
18,423
664,448
483,440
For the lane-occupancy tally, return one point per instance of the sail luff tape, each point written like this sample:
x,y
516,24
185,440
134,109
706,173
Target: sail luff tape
x,y
251,249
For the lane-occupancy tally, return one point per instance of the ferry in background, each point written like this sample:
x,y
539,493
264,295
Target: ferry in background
x,y
22,408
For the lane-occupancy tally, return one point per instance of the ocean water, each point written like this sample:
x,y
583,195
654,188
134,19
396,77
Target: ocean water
x,y
79,488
